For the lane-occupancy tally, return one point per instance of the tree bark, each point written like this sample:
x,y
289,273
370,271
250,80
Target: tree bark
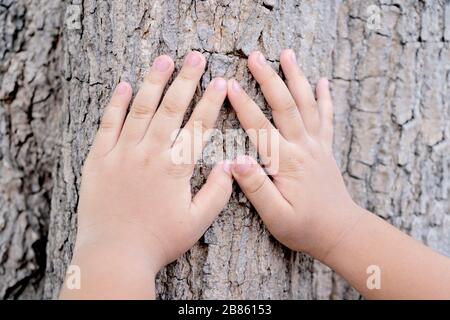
x,y
30,90
390,83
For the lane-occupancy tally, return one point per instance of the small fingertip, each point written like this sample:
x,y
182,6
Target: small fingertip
x,y
226,167
123,88
253,54
163,63
195,59
233,86
288,55
242,165
322,88
220,84
257,58
324,82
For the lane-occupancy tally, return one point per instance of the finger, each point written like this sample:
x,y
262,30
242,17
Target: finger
x,y
169,115
146,100
204,116
212,197
284,110
255,123
260,190
300,90
325,110
112,120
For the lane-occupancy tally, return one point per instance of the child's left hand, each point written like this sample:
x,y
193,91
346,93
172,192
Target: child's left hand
x,y
136,212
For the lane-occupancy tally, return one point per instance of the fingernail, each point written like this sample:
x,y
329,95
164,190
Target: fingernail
x,y
242,165
235,86
260,58
292,56
326,83
226,166
122,88
161,64
193,59
219,84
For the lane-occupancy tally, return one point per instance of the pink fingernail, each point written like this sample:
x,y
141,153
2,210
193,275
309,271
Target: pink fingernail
x,y
193,59
161,64
235,86
261,60
242,165
122,88
292,56
219,84
226,166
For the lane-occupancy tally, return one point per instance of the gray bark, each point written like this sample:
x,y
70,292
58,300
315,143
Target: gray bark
x,y
391,92
30,89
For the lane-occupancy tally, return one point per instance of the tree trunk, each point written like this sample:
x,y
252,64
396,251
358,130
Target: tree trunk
x,y
389,66
30,91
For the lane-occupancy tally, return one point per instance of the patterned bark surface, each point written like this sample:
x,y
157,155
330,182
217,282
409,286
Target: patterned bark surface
x,y
30,90
390,81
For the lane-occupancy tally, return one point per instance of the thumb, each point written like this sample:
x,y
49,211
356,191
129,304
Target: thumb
x,y
213,196
259,189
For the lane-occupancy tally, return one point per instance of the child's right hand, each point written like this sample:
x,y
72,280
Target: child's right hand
x,y
306,206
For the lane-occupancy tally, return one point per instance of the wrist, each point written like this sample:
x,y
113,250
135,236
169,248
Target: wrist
x,y
325,235
112,271
118,255
354,214
120,239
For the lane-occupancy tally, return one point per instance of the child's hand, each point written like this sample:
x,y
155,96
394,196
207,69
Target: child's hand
x,y
135,202
306,206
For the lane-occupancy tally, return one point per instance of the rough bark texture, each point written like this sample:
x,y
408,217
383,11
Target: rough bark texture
x,y
391,93
30,87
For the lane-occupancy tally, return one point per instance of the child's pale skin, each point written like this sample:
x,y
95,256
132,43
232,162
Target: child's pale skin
x,y
137,214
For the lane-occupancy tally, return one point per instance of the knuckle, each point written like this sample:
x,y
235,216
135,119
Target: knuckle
x,y
152,80
186,76
158,135
140,111
107,125
257,185
292,165
178,170
269,78
291,109
171,108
